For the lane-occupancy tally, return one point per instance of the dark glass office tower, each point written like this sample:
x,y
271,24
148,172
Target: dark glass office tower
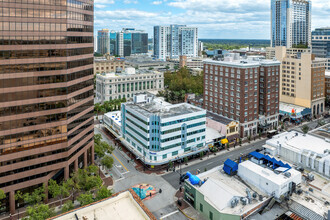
x,y
46,92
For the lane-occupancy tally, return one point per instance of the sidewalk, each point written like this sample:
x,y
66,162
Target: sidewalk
x,y
216,154
186,208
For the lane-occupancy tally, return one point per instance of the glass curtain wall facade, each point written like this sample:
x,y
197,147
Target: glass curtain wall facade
x,y
321,44
113,43
103,41
139,43
290,23
46,93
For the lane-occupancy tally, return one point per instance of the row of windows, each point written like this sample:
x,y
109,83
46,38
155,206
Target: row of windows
x,y
40,80
179,129
180,136
134,116
15,96
42,40
22,109
28,54
183,120
70,3
43,13
39,67
44,27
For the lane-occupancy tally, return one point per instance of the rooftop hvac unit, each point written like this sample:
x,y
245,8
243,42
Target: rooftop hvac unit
x,y
287,174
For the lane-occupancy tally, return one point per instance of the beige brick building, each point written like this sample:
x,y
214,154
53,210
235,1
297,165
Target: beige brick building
x,y
108,64
302,78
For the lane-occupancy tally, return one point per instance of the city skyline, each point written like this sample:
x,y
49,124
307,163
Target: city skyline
x,y
215,19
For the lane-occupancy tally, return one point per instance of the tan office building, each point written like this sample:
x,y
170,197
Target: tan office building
x,y
108,64
302,79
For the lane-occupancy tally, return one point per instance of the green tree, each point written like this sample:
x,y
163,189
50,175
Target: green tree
x,y
57,190
67,206
227,146
201,154
186,159
103,193
2,194
107,161
39,212
305,129
97,108
35,197
85,199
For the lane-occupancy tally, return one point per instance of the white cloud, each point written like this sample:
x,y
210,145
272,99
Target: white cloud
x,y
109,2
157,2
215,18
130,2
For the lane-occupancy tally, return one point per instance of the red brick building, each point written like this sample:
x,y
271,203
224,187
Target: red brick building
x,y
246,90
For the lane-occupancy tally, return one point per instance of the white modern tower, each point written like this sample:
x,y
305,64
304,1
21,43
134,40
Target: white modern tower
x,y
175,40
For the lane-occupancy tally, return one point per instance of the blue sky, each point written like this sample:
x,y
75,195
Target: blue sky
x,y
223,19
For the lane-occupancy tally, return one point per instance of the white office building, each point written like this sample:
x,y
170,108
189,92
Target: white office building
x,y
110,86
158,132
175,40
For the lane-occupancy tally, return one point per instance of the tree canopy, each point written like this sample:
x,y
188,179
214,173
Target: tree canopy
x,y
179,83
38,212
2,194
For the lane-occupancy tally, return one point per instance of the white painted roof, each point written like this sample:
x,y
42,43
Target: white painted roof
x,y
268,174
212,134
298,142
218,193
120,207
114,116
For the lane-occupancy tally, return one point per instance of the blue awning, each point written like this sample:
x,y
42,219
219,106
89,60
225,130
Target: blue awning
x,y
257,155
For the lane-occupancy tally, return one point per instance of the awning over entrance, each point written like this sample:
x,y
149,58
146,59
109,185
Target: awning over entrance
x,y
294,111
224,141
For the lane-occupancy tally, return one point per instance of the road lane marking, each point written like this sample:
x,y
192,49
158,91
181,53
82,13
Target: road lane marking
x,y
169,214
119,162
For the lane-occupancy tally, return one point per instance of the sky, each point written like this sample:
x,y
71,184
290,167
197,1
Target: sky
x,y
215,19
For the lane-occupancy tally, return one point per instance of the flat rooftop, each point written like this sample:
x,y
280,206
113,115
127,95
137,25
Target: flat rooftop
x,y
243,62
268,173
220,189
218,118
119,207
298,142
212,134
315,200
115,116
164,109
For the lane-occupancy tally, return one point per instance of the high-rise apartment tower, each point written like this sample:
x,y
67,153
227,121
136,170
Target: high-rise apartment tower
x,y
290,23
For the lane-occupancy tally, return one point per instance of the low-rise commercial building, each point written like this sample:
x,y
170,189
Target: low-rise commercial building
x,y
158,132
191,62
112,121
228,128
305,150
123,205
277,182
108,64
220,196
110,86
144,62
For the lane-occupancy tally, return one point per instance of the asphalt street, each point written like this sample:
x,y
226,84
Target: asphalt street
x,y
173,177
